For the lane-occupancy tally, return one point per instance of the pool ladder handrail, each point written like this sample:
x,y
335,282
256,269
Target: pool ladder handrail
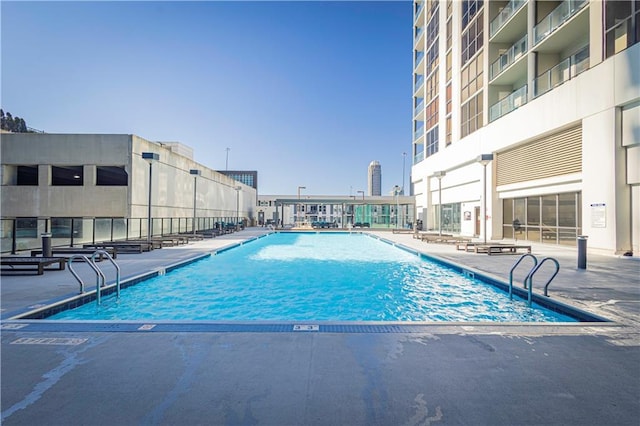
x,y
535,263
529,277
101,279
528,280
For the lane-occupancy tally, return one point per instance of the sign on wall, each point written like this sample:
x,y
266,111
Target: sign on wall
x,y
598,215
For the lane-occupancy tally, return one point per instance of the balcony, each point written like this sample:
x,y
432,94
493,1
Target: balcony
x,y
418,157
418,133
556,18
508,104
419,56
419,12
419,38
564,71
508,58
419,108
504,15
419,84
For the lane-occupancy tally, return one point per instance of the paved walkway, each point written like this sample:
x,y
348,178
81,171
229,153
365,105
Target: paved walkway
x,y
465,374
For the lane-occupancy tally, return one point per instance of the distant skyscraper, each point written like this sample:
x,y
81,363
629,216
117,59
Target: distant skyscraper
x,y
375,178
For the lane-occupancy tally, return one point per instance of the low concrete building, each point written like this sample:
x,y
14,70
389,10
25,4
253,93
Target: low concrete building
x,y
337,210
82,183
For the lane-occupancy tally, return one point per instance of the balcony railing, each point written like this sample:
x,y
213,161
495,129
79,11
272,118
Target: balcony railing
x,y
503,16
509,57
419,31
565,70
418,10
557,17
419,107
418,133
419,82
418,157
419,56
508,104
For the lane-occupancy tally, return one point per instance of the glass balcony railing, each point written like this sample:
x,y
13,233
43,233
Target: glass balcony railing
x,y
509,57
418,157
419,56
503,16
508,104
419,31
418,133
418,10
557,17
565,70
419,82
418,107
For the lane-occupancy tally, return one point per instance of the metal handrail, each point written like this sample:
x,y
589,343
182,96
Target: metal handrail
x,y
534,270
90,263
113,262
535,263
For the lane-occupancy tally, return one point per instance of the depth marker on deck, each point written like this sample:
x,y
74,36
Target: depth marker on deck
x,y
306,327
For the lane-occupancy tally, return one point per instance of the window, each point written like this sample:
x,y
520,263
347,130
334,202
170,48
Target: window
x,y
469,10
554,218
449,132
67,176
471,78
432,28
27,175
622,25
449,98
111,176
471,115
432,57
432,113
432,141
432,86
472,39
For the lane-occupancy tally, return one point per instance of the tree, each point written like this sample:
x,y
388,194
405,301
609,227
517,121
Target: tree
x,y
12,124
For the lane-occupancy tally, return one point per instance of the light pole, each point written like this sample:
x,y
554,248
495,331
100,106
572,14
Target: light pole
x,y
396,191
299,188
440,175
362,192
404,156
226,163
150,157
195,173
484,159
238,188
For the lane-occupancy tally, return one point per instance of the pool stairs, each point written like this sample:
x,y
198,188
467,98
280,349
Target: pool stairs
x,y
100,276
528,280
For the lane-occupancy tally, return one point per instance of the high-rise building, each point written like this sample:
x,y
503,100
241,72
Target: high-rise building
x,y
525,120
375,178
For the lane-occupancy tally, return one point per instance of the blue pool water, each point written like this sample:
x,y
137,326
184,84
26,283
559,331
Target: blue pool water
x,y
314,277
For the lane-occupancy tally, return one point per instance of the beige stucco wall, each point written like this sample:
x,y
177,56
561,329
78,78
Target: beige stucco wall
x,y
173,186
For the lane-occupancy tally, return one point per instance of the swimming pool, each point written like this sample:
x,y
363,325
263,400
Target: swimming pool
x,y
314,277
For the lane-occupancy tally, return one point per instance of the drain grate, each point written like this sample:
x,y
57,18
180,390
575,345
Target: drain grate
x,y
67,341
306,327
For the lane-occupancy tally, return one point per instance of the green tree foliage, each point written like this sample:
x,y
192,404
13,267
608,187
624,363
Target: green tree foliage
x,y
13,124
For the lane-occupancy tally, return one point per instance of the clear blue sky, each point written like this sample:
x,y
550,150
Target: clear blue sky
x,y
307,93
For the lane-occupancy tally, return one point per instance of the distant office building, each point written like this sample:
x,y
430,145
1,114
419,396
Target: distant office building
x,y
375,179
525,120
248,177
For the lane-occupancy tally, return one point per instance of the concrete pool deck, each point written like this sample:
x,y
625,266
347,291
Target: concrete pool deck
x,y
445,374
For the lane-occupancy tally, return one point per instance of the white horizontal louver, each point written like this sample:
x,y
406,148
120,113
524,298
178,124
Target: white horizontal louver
x,y
554,155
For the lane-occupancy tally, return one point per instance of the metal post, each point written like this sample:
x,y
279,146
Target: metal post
x,y
484,203
582,252
149,207
440,205
484,159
